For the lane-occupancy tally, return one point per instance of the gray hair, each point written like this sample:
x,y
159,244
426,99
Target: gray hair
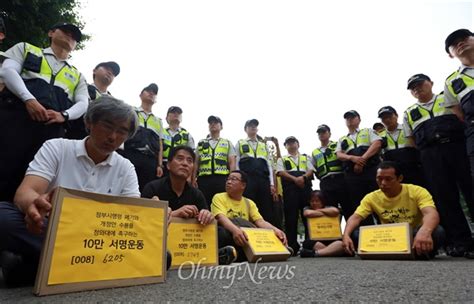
x,y
108,108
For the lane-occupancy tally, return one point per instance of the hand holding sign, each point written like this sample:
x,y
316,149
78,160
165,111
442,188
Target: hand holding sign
x,y
187,211
240,237
36,213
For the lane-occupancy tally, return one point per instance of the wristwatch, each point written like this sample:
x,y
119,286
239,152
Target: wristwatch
x,y
65,115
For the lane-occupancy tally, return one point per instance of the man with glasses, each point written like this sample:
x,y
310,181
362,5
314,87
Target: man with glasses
x,y
232,211
90,164
174,135
44,92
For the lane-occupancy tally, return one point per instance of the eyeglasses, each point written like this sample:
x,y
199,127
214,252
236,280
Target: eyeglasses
x,y
233,179
111,128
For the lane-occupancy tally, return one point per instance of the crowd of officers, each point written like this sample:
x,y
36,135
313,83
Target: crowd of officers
x,y
45,97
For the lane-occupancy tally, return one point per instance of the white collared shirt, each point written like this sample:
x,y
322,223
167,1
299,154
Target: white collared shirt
x,y
65,163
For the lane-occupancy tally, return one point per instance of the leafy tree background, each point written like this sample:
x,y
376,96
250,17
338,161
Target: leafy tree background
x,y
30,20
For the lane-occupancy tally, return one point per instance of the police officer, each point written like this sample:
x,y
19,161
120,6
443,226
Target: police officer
x,y
253,158
296,171
145,149
328,169
400,149
103,75
459,86
44,92
438,134
174,135
359,151
215,159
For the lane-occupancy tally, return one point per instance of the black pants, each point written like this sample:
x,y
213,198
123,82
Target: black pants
x,y
145,165
20,139
359,185
413,174
210,185
224,238
446,167
258,190
294,201
334,189
438,235
14,237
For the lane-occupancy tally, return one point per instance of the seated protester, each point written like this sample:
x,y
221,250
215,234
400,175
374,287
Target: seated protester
x,y
232,211
90,164
317,207
184,200
395,202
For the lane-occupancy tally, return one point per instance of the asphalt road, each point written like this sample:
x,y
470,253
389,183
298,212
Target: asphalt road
x,y
332,280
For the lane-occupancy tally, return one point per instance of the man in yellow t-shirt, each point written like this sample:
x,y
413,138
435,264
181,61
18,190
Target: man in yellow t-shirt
x,y
232,211
395,202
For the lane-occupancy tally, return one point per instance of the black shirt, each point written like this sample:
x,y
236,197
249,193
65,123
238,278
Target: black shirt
x,y
162,188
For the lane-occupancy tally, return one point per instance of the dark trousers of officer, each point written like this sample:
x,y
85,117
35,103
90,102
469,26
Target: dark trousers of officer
x,y
294,201
446,167
20,139
210,185
14,237
470,152
258,190
145,165
334,189
413,174
359,185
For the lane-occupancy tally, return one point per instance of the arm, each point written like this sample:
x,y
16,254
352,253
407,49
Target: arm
x,y
238,234
159,169
458,111
423,242
31,198
195,170
261,223
373,149
352,223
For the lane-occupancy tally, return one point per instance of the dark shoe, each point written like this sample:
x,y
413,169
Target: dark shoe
x,y
292,252
15,272
169,259
227,255
455,251
307,253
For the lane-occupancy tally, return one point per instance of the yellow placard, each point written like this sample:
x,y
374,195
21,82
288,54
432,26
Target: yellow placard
x,y
191,243
264,241
105,241
324,228
384,238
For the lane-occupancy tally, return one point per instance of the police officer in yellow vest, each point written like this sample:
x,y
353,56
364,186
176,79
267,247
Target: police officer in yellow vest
x,y
296,172
215,159
145,149
174,135
103,75
254,159
328,169
44,92
359,151
459,86
398,148
439,135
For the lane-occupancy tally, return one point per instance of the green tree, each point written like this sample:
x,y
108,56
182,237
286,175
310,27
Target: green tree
x,y
30,20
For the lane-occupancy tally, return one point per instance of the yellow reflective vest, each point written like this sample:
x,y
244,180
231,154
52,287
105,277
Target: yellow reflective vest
x,y
180,138
213,161
326,162
53,91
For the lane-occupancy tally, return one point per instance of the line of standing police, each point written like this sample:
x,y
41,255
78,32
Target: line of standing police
x,y
45,97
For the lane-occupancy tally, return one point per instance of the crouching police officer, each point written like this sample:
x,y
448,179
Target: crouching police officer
x,y
439,135
359,151
398,148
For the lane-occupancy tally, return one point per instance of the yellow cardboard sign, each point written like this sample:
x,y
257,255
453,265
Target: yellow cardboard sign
x,y
191,243
264,241
324,228
384,238
117,241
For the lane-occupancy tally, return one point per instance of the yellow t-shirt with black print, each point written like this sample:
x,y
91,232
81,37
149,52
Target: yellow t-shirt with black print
x,y
404,208
223,204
